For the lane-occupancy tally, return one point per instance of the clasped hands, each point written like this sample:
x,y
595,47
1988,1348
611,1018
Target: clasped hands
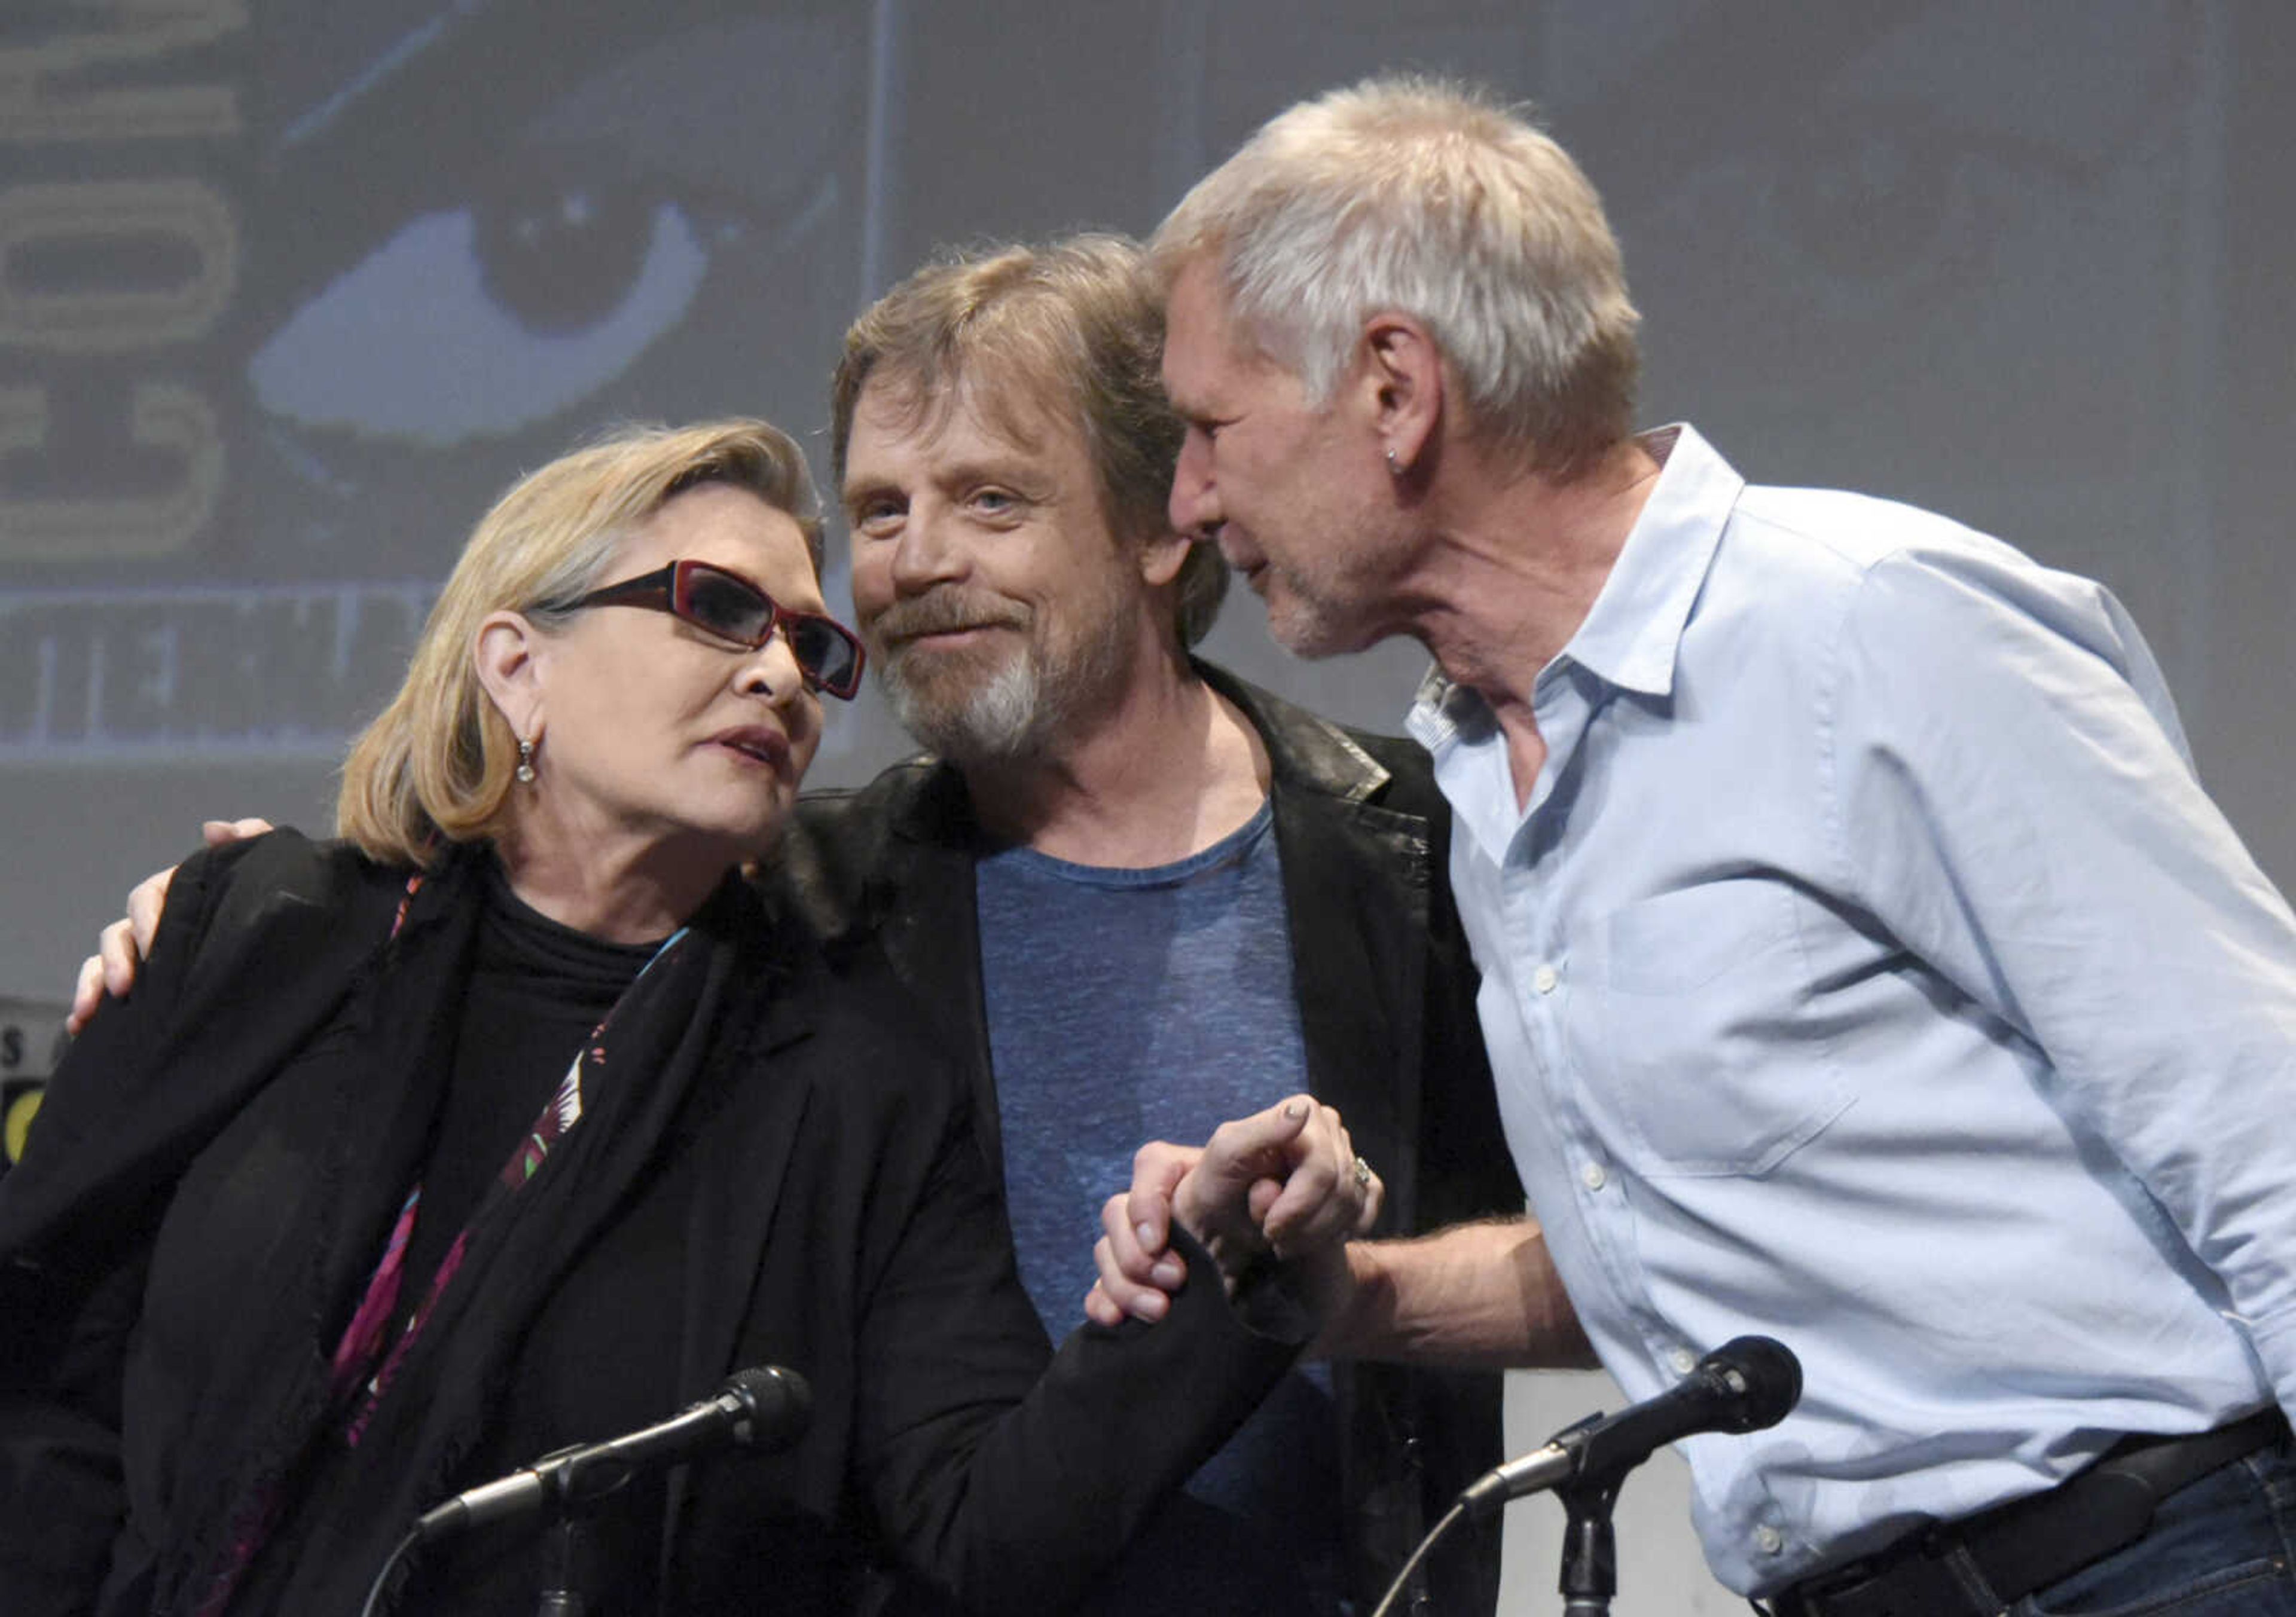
x,y
1284,1184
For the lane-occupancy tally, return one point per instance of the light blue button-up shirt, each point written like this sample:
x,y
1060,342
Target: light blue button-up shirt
x,y
1870,970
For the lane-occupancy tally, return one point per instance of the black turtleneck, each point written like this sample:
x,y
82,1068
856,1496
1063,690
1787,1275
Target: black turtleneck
x,y
536,988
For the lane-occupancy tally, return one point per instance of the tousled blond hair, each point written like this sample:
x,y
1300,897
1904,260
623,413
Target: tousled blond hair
x,y
1072,330
437,765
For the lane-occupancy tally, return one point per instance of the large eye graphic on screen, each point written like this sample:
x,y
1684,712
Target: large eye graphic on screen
x,y
478,320
1866,217
1896,209
1908,185
1872,209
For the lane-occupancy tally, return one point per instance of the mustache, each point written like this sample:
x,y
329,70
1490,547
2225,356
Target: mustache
x,y
945,610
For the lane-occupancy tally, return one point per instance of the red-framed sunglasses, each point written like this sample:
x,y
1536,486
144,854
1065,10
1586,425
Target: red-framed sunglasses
x,y
731,607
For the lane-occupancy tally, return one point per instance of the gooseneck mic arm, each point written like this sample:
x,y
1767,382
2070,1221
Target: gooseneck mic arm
x,y
1743,1385
763,1408
755,1408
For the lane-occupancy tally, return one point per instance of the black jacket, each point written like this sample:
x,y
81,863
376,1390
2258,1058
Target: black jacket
x,y
794,1181
1386,1006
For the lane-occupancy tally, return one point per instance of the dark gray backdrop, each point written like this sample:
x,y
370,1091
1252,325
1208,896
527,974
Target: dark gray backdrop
x,y
287,293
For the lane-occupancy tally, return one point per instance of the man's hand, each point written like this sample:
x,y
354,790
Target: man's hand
x,y
121,946
1285,1182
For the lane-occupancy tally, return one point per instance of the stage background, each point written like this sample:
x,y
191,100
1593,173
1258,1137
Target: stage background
x,y
287,293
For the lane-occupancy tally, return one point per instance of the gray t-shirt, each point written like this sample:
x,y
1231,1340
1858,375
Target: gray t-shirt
x,y
1131,1005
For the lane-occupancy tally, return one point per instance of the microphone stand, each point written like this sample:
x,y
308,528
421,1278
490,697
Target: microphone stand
x,y
1747,1385
577,1489
561,1590
765,1407
1590,1550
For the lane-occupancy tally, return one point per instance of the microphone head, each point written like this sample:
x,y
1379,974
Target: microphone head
x,y
776,1404
1761,1380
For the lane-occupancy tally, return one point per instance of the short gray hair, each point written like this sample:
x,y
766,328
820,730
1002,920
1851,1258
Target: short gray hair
x,y
1424,198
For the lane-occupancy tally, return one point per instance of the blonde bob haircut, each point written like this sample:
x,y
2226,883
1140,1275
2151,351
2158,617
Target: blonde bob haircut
x,y
1415,196
1072,330
436,766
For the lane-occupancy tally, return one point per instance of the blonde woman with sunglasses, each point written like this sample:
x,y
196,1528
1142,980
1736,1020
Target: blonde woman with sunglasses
x,y
517,1119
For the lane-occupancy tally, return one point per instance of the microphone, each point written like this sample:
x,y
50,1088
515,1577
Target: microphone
x,y
1743,1385
764,1408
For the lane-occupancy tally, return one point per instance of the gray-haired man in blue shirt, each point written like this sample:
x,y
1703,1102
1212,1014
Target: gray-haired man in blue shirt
x,y
1863,963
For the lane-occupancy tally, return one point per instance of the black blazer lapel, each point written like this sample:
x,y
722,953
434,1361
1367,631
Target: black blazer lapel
x,y
738,1176
1355,897
1359,980
932,937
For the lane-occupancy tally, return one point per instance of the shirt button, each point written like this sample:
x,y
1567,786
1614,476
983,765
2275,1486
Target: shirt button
x,y
1545,979
1683,1360
1592,1177
1768,1539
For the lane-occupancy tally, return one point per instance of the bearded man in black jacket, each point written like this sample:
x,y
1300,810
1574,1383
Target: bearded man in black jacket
x,y
1138,895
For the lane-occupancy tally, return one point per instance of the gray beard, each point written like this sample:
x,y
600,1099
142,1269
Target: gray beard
x,y
1002,719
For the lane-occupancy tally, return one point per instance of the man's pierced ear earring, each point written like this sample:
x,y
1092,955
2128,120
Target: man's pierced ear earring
x,y
1394,466
525,771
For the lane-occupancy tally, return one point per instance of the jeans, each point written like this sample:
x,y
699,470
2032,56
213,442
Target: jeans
x,y
2222,1546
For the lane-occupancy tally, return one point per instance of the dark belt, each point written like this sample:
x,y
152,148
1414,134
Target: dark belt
x,y
2030,1542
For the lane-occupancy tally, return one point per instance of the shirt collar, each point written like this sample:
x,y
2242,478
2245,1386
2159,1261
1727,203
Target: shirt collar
x,y
1632,635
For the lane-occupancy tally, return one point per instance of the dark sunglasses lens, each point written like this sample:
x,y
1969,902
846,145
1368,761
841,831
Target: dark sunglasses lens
x,y
823,651
724,605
